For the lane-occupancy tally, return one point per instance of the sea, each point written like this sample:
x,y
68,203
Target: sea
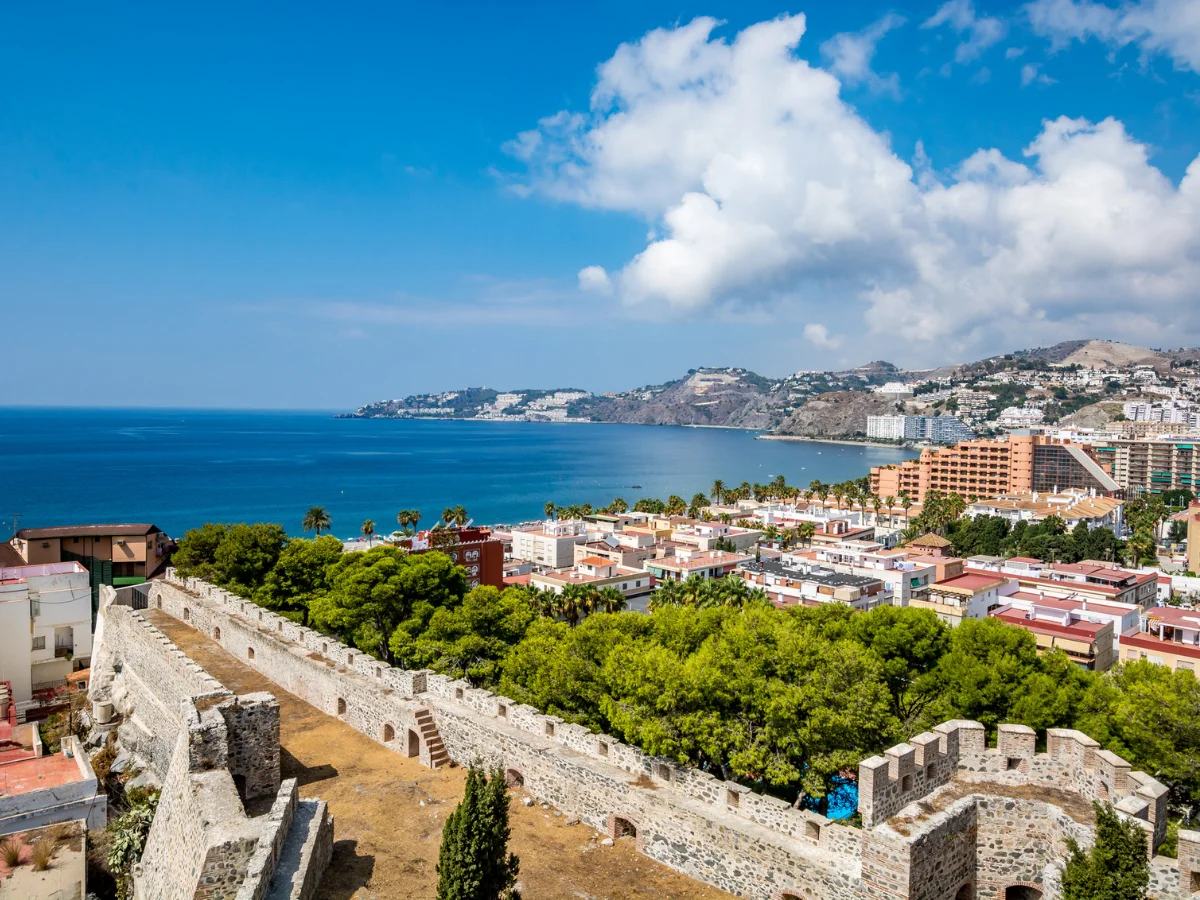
x,y
180,468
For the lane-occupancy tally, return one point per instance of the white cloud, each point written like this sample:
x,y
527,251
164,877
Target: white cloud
x,y
595,280
1169,27
766,190
848,56
1031,72
818,335
1013,52
980,32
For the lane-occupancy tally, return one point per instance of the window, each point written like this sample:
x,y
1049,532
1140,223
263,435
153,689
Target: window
x,y
35,607
39,643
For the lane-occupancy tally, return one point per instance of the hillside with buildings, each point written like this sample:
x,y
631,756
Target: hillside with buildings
x,y
1085,382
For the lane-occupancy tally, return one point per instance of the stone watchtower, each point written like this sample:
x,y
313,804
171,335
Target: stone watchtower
x,y
946,817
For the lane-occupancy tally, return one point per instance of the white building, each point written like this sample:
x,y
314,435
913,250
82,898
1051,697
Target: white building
x,y
45,625
550,544
895,390
1020,417
888,428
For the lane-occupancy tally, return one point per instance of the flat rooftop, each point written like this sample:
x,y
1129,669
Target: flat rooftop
x,y
28,775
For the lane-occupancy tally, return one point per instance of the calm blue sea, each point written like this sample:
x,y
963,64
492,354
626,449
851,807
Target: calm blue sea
x,y
179,468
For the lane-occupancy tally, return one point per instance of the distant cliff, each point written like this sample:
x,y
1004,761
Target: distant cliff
x,y
837,414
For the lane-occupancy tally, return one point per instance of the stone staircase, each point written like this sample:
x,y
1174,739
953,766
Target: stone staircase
x,y
438,755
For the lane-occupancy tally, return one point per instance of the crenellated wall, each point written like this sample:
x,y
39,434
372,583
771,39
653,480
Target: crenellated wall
x,y
945,817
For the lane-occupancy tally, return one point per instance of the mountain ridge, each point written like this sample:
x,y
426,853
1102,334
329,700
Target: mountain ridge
x,y
807,403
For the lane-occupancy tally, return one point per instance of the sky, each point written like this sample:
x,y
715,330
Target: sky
x,y
302,206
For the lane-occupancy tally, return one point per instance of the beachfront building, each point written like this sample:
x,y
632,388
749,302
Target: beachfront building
x,y
792,582
1088,643
688,562
966,596
934,429
45,628
989,468
550,543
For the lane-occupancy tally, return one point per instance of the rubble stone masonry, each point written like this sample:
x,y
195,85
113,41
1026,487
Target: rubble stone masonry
x,y
944,816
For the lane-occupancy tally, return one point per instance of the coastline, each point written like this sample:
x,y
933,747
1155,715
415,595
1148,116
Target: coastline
x,y
813,440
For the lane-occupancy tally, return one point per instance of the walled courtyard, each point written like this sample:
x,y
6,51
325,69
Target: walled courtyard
x,y
389,809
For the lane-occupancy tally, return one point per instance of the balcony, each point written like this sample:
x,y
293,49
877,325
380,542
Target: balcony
x,y
64,652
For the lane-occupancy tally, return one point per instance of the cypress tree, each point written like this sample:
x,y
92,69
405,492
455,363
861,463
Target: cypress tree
x,y
1116,868
474,862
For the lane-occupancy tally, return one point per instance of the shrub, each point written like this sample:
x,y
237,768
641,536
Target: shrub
x,y
102,761
43,855
10,851
474,862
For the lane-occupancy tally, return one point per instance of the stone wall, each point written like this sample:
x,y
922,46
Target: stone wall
x,y
945,816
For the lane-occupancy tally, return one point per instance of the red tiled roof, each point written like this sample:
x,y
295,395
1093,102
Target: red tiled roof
x,y
1078,630
1152,644
595,561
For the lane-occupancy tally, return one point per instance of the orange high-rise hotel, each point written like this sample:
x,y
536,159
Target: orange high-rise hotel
x,y
987,468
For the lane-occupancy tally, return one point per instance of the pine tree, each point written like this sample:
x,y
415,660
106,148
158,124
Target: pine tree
x,y
1116,868
474,862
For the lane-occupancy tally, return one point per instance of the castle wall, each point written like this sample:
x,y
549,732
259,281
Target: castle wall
x,y
715,831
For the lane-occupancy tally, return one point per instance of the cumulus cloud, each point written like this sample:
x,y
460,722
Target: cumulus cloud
x,y
818,335
978,32
1168,27
764,188
595,280
848,56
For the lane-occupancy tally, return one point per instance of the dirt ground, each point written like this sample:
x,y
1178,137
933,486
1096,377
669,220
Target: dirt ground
x,y
388,810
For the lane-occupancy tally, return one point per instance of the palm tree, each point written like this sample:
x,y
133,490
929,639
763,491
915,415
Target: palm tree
x,y
619,505
718,490
460,516
906,503
676,505
448,515
877,505
744,490
890,502
403,519
316,519
611,600
807,530
698,502
414,518
549,509
368,530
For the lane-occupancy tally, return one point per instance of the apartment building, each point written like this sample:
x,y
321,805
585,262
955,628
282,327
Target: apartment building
x,y
1087,580
45,627
1066,608
795,583
622,554
935,429
905,575
1072,506
705,535
1150,465
1167,636
687,562
597,572
550,544
967,596
1088,644
989,468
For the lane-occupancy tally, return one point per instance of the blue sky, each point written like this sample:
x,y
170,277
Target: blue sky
x,y
297,206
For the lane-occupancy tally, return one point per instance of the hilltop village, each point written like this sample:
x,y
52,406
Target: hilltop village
x,y
932,681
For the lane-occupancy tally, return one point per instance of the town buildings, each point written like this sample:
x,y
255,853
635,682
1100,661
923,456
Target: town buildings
x,y
1088,580
475,549
988,468
1193,537
971,595
45,627
1169,637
